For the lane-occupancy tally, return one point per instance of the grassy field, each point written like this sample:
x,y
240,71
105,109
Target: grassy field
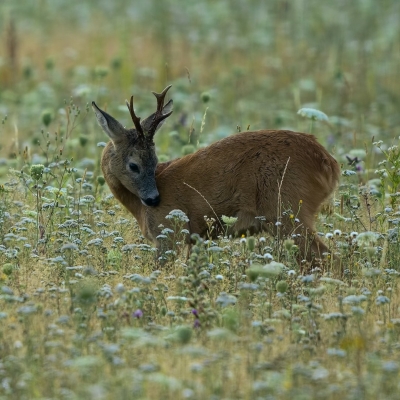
x,y
86,312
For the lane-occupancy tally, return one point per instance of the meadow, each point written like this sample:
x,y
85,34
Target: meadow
x,y
86,310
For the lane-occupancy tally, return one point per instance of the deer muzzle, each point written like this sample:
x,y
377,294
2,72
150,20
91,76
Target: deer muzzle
x,y
151,201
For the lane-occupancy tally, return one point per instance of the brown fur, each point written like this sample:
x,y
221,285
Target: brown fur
x,y
239,177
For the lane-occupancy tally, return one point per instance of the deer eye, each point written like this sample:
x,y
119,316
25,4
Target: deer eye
x,y
133,167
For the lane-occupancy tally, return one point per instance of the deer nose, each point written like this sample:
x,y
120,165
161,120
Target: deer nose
x,y
152,201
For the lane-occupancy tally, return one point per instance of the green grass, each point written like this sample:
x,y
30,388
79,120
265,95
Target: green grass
x,y
85,313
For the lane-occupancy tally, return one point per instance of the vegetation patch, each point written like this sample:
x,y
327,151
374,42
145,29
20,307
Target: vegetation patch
x,y
89,309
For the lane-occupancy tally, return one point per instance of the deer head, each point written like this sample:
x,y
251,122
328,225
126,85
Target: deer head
x,y
133,159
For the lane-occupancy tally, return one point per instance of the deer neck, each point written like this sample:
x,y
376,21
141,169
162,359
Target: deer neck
x,y
129,200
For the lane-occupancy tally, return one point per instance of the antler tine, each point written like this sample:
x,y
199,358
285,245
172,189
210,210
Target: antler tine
x,y
158,115
135,118
160,98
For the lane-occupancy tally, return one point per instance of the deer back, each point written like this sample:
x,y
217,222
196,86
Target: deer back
x,y
248,175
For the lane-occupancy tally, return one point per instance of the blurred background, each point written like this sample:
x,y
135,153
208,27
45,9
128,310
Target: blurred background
x,y
234,65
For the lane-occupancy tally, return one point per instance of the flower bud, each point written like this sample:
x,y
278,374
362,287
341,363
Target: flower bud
x,y
282,286
47,117
100,180
251,243
205,97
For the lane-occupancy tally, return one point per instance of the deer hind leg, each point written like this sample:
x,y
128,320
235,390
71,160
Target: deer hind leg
x,y
319,252
311,247
318,247
302,236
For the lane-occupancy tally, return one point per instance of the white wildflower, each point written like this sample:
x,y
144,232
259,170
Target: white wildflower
x,y
313,114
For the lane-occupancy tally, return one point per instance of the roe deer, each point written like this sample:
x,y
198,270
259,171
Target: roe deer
x,y
246,175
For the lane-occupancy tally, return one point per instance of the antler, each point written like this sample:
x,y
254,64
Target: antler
x,y
151,124
158,115
135,118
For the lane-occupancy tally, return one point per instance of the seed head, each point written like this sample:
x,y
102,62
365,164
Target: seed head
x,y
282,286
288,243
184,334
253,273
86,294
8,269
47,117
205,97
251,243
101,71
83,140
100,180
37,171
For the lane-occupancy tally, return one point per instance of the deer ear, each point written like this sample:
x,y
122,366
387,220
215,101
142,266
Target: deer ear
x,y
146,124
110,125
